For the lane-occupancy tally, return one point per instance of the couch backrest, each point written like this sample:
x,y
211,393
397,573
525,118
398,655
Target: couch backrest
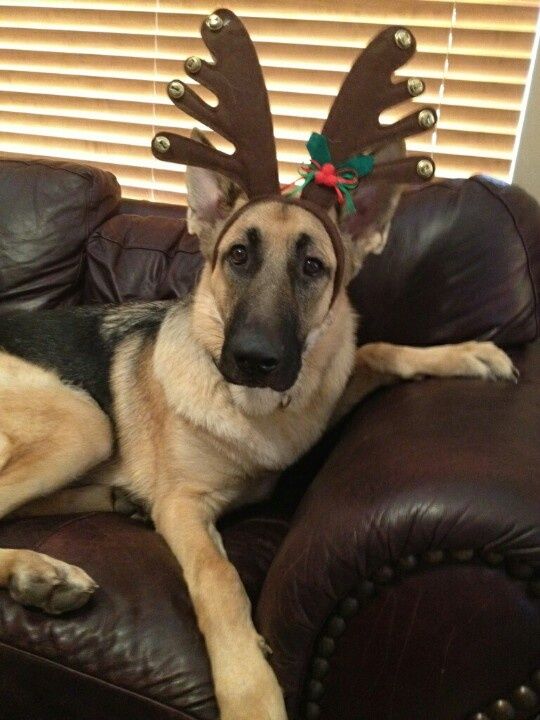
x,y
462,260
140,257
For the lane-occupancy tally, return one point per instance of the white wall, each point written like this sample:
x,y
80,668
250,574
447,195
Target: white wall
x,y
527,164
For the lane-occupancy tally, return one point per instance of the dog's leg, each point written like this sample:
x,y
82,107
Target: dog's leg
x,y
469,359
246,687
50,434
51,447
381,364
5,449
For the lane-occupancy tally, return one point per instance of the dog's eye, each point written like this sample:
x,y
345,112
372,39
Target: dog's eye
x,y
238,254
313,267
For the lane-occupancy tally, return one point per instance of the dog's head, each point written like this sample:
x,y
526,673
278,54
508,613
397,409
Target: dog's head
x,y
274,268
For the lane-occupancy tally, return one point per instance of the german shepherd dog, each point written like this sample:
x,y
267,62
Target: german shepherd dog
x,y
195,406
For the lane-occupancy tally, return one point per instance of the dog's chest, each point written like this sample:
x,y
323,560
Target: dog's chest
x,y
262,443
284,436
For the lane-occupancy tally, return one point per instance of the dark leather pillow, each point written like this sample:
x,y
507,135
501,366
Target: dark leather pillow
x,y
47,211
136,257
462,261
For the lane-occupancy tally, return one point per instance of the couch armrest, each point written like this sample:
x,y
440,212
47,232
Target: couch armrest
x,y
48,209
408,584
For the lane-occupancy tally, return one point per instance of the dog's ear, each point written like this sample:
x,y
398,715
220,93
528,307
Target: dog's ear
x,y
212,197
366,230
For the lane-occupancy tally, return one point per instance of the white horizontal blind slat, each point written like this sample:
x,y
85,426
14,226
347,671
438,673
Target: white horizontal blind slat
x,y
81,79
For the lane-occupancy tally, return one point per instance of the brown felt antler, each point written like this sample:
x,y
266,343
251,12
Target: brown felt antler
x,y
242,115
353,124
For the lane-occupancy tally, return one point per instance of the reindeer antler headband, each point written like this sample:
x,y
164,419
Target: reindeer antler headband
x,y
243,117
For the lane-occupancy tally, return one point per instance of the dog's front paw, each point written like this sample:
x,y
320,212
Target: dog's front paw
x,y
54,586
485,360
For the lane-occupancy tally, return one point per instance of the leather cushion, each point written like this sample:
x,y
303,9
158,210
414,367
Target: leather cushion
x,y
136,257
47,212
33,687
462,261
138,633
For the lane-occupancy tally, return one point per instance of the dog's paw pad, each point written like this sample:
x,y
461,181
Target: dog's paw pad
x,y
49,584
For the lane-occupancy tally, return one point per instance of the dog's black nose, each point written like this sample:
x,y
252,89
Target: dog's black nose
x,y
263,353
255,363
255,354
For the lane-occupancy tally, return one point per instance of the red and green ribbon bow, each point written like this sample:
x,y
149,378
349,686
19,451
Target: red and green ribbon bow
x,y
343,177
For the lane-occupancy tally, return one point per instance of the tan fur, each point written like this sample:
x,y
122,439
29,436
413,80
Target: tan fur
x,y
191,445
49,434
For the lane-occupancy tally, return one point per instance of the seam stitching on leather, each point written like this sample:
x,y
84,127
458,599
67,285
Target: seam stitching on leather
x,y
144,249
181,714
50,166
37,546
503,202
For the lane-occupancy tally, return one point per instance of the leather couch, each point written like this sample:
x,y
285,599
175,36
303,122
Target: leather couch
x,y
396,570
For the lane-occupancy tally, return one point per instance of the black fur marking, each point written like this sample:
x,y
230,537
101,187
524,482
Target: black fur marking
x,y
304,241
142,318
254,237
253,241
304,248
78,343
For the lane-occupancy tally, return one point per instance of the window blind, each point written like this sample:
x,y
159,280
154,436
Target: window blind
x,y
86,79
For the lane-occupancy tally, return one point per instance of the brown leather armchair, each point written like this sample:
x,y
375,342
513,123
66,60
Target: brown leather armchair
x,y
396,570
